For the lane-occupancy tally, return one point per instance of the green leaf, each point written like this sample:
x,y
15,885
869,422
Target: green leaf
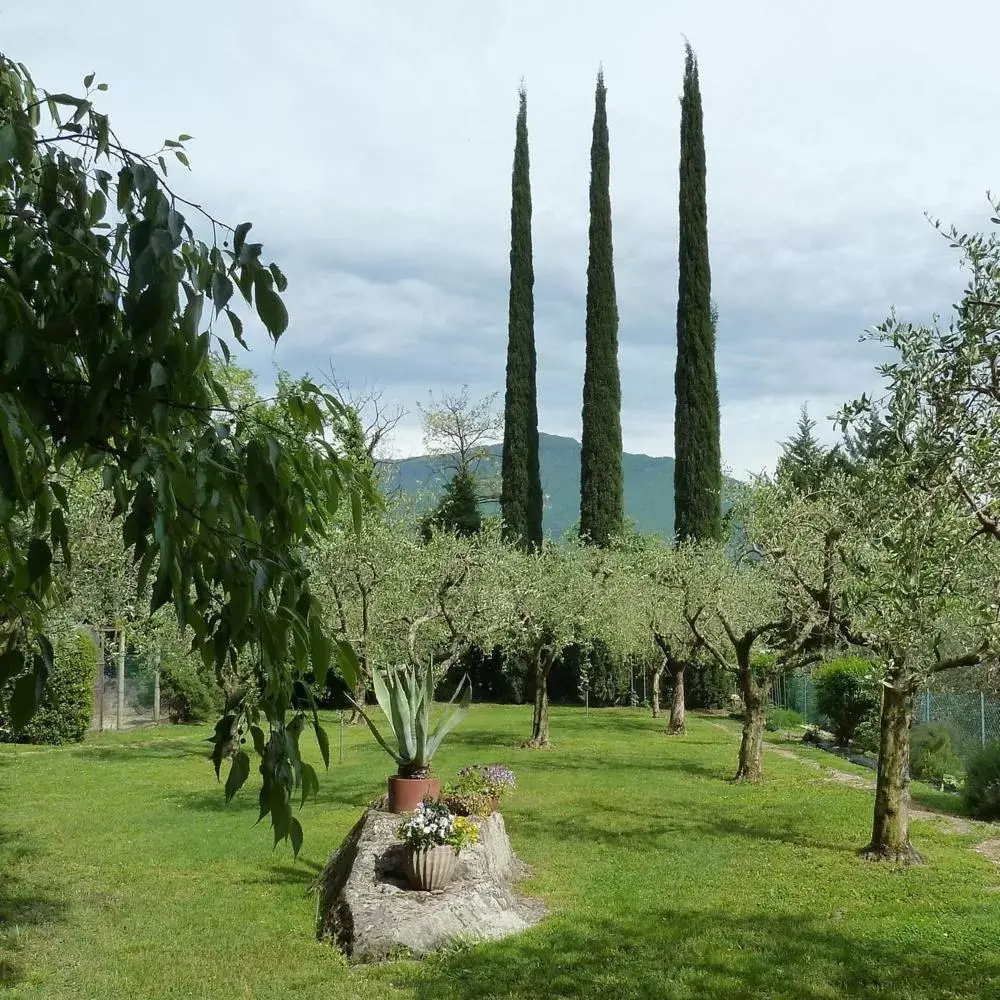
x,y
238,774
280,281
310,782
324,744
240,234
295,835
126,179
350,667
39,559
320,647
8,143
23,701
222,291
11,664
182,157
259,742
270,309
98,206
88,80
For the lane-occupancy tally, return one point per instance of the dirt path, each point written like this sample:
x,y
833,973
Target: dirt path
x,y
946,821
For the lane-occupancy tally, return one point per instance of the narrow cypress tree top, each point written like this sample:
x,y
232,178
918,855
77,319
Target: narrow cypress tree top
x,y
601,486
698,462
521,488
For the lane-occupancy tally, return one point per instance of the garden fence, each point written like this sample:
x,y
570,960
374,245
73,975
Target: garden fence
x,y
973,717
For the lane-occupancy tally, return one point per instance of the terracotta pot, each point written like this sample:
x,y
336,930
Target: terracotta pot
x,y
431,868
405,794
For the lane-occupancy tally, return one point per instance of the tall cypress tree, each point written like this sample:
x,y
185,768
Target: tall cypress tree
x,y
602,499
521,488
697,453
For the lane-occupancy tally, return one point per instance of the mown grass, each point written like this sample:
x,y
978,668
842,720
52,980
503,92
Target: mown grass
x,y
123,874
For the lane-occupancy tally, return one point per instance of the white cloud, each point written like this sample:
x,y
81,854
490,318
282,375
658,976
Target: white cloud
x,y
371,145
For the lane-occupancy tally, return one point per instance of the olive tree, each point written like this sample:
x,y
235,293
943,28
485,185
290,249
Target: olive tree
x,y
399,599
564,594
663,572
113,290
921,597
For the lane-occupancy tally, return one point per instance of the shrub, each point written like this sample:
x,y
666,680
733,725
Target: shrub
x,y
707,685
188,690
932,755
867,736
847,690
982,783
783,718
67,709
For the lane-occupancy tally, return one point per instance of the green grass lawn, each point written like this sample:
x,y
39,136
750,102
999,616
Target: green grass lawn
x,y
124,875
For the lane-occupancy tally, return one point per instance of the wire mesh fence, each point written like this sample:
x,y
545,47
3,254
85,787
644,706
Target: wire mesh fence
x,y
973,717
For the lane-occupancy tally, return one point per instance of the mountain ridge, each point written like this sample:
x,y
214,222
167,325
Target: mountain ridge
x,y
649,484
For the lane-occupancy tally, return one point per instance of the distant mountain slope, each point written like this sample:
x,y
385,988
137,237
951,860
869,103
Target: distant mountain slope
x,y
649,484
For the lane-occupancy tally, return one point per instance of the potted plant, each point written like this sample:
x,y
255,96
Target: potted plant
x,y
434,837
479,789
406,697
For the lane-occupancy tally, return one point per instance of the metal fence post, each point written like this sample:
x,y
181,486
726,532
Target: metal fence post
x,y
982,717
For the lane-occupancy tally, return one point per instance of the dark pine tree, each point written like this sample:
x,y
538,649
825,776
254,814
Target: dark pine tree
x,y
521,485
457,510
602,500
697,453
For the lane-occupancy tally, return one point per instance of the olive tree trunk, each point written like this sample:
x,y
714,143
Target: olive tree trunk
x,y
540,717
752,744
891,828
677,726
657,674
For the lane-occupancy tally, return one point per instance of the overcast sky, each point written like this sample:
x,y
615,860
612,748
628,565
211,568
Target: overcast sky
x,y
371,144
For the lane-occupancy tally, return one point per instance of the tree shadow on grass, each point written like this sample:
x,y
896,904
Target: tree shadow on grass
x,y
684,954
137,753
619,827
301,872
21,905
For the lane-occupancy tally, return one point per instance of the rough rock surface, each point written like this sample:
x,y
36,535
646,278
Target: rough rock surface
x,y
368,910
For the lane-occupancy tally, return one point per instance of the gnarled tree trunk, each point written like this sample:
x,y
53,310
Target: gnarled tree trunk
x,y
657,674
752,744
891,828
540,717
677,726
360,694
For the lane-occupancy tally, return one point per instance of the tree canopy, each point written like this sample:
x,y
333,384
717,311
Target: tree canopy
x,y
110,299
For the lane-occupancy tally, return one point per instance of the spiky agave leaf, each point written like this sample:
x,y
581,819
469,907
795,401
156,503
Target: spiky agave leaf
x,y
452,719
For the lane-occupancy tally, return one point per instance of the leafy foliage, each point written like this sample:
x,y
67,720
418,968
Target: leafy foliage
x,y
804,462
847,692
982,783
67,708
109,303
932,755
779,719
458,509
189,692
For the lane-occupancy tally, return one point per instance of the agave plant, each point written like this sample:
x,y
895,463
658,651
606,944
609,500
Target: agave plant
x,y
406,697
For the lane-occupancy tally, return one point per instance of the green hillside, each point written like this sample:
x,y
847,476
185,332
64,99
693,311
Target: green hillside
x,y
649,484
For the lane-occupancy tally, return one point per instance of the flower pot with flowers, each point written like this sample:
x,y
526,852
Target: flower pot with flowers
x,y
406,697
479,788
434,837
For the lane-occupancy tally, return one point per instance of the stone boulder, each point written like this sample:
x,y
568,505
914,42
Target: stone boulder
x,y
368,911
